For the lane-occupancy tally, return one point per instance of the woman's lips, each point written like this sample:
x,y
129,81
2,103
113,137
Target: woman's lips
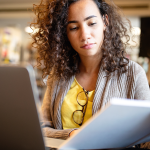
x,y
88,46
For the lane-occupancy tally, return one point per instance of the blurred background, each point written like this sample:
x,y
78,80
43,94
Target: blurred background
x,y
15,41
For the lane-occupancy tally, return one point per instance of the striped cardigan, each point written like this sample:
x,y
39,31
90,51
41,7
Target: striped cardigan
x,y
132,85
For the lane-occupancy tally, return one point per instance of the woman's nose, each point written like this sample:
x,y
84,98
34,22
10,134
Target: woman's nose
x,y
84,34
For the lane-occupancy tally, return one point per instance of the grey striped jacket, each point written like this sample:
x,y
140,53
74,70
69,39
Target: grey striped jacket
x,y
132,85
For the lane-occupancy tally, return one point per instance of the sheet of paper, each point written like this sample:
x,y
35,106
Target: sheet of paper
x,y
118,125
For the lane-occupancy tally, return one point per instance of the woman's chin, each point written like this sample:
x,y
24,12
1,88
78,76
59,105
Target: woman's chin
x,y
90,54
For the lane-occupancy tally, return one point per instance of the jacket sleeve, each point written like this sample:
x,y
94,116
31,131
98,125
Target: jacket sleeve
x,y
48,120
142,91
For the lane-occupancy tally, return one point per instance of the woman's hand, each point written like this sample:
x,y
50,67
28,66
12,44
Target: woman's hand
x,y
72,132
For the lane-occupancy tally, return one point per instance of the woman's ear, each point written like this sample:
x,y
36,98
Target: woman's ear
x,y
106,22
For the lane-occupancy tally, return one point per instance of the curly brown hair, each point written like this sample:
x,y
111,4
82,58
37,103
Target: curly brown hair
x,y
55,49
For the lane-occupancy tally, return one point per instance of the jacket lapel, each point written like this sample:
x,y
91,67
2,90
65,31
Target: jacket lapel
x,y
101,90
62,90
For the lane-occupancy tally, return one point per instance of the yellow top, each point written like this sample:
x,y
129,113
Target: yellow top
x,y
70,105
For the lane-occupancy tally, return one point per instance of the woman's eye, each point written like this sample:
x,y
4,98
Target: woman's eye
x,y
75,28
91,24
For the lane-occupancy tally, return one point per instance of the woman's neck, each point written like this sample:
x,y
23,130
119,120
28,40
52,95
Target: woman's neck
x,y
89,65
89,68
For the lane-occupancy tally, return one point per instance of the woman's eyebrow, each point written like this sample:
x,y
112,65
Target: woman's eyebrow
x,y
74,21
89,17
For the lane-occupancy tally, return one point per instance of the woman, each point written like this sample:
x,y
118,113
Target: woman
x,y
80,43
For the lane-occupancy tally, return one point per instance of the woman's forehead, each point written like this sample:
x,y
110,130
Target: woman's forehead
x,y
82,9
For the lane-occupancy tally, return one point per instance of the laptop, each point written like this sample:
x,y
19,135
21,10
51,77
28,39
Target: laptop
x,y
20,127
122,123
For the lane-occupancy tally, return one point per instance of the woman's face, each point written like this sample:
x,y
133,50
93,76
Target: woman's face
x,y
85,29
